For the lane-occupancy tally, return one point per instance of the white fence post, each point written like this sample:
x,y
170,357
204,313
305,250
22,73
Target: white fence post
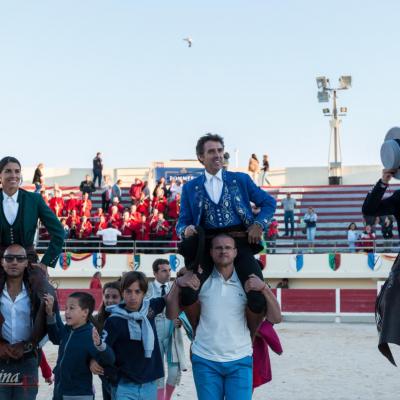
x,y
337,305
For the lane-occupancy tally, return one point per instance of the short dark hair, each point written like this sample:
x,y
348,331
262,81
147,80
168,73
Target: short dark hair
x,y
159,261
132,277
85,301
227,235
9,159
206,138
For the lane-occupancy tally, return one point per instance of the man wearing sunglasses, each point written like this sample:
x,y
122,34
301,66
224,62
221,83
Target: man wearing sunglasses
x,y
19,306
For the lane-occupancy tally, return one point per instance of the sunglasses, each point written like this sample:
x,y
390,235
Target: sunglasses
x,y
10,258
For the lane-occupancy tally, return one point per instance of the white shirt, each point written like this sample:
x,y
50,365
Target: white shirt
x,y
17,326
214,185
222,334
157,288
110,236
10,206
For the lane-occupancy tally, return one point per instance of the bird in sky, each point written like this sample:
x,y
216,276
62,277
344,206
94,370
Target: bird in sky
x,y
189,41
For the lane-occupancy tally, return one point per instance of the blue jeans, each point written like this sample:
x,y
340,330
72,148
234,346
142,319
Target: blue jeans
x,y
289,218
232,380
311,233
128,390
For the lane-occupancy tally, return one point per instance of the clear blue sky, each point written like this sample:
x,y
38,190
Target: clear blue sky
x,y
115,76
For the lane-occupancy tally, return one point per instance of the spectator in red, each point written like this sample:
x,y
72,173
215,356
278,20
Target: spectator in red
x,y
85,228
96,216
367,239
161,228
153,220
56,204
159,201
143,229
136,190
95,282
73,203
135,215
116,202
73,221
126,227
102,224
174,207
143,205
86,206
114,217
272,234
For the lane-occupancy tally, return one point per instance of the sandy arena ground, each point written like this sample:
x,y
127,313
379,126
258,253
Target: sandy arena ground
x,y
321,361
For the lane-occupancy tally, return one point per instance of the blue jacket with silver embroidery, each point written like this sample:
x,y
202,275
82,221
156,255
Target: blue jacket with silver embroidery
x,y
242,191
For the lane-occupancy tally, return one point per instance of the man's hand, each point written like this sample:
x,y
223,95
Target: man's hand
x,y
254,283
387,175
17,350
96,368
190,230
49,302
254,233
188,280
6,351
177,323
50,380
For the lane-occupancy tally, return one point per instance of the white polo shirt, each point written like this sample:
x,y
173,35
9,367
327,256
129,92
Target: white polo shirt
x,y
222,334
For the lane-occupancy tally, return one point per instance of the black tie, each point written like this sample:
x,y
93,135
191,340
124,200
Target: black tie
x,y
163,292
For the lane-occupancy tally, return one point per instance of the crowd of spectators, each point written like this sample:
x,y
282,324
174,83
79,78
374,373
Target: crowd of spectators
x,y
145,216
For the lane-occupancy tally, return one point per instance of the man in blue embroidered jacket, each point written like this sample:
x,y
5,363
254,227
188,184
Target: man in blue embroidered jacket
x,y
220,201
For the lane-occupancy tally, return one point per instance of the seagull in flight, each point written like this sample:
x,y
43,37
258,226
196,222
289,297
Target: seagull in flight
x,y
189,41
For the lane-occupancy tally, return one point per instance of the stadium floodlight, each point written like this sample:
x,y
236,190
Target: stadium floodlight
x,y
322,82
323,97
345,81
326,110
343,109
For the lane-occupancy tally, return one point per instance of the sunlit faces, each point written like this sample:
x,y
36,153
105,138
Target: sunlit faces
x,y
223,250
133,296
213,156
75,316
163,275
10,177
14,261
111,296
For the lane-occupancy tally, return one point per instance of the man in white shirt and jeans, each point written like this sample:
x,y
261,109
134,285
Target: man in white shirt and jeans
x,y
109,235
222,349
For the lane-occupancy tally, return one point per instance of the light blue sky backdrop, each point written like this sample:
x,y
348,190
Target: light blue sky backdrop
x,y
80,76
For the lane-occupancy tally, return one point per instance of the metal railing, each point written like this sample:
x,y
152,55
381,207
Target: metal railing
x,y
280,246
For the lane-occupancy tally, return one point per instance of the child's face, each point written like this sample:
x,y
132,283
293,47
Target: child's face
x,y
75,316
111,296
133,297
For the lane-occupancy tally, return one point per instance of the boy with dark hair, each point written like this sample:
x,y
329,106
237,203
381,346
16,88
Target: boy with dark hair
x,y
79,342
130,331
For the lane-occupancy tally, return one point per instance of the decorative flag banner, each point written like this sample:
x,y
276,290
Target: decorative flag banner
x,y
334,261
136,264
374,261
80,257
65,260
263,259
174,262
99,260
297,262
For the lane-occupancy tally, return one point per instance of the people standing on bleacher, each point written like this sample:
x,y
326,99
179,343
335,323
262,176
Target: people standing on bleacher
x,y
289,205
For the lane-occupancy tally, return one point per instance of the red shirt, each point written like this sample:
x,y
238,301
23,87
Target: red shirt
x,y
136,190
57,205
85,208
95,283
161,228
143,231
126,228
85,229
73,204
174,208
115,220
119,206
100,225
160,203
143,207
73,221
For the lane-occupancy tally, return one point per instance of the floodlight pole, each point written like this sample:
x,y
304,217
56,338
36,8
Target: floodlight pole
x,y
335,128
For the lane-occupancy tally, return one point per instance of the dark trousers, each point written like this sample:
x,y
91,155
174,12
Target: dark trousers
x,y
245,265
19,378
97,174
289,218
105,203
